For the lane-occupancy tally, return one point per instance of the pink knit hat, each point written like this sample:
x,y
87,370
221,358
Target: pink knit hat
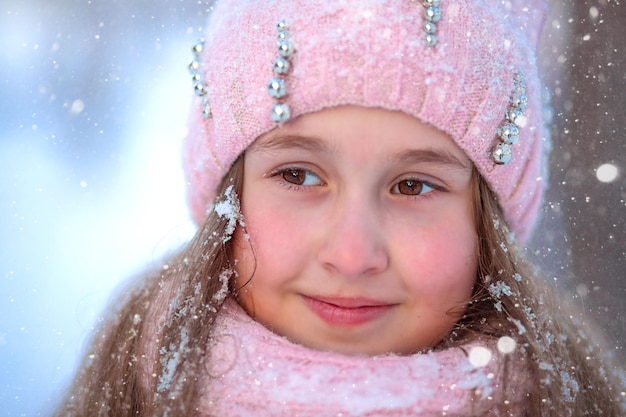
x,y
455,64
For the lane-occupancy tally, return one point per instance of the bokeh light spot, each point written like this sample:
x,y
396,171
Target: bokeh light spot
x,y
607,173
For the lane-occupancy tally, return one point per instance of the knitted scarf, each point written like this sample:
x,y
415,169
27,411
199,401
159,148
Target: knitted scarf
x,y
254,372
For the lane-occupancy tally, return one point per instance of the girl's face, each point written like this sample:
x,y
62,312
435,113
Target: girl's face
x,y
361,232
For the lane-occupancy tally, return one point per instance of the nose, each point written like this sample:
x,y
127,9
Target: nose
x,y
354,242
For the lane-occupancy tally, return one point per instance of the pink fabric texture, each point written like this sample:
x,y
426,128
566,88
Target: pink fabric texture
x,y
254,372
373,53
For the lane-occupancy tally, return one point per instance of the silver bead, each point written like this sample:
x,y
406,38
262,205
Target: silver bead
x,y
514,115
431,39
281,66
433,14
276,88
206,108
502,155
194,66
198,48
430,27
282,25
280,113
520,101
509,133
199,86
432,3
285,49
283,36
199,89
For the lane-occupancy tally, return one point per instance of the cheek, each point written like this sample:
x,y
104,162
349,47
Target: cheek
x,y
273,232
443,261
277,240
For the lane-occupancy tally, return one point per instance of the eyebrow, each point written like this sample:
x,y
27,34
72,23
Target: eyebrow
x,y
430,155
311,143
281,142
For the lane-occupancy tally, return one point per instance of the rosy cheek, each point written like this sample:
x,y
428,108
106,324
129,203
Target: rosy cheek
x,y
445,266
274,234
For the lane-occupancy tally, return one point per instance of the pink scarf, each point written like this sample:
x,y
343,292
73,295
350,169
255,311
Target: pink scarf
x,y
254,372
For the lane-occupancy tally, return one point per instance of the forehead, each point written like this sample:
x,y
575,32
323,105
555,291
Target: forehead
x,y
367,132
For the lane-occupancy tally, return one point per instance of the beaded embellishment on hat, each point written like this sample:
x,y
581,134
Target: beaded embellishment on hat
x,y
432,16
276,88
514,119
199,86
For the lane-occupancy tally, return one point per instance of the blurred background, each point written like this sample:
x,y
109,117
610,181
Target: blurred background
x,y
93,102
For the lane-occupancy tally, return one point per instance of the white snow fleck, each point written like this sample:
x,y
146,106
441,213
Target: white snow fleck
x,y
506,345
171,361
479,356
500,288
520,327
77,106
607,173
224,278
569,388
546,366
229,209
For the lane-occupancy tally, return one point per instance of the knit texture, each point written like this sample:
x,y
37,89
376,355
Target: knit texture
x,y
254,372
373,53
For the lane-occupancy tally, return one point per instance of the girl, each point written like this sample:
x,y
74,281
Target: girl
x,y
363,172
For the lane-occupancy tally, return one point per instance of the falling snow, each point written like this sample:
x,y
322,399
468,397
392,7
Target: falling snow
x,y
91,124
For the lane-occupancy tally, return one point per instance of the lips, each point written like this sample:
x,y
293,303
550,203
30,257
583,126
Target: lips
x,y
347,312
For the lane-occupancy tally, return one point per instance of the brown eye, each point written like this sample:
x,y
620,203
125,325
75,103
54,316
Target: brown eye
x,y
298,176
410,187
294,176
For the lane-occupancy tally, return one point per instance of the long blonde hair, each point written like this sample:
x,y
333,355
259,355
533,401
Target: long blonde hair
x,y
147,357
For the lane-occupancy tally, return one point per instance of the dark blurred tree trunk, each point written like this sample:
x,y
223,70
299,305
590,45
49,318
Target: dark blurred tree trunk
x,y
586,66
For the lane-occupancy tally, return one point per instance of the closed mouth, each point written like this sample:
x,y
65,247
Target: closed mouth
x,y
348,311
